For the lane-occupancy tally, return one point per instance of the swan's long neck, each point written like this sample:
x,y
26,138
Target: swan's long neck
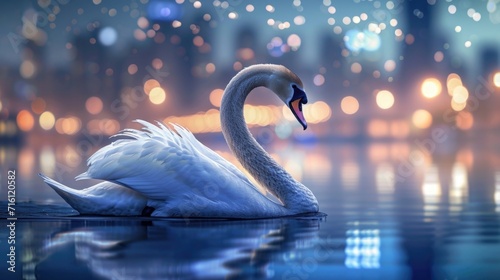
x,y
295,196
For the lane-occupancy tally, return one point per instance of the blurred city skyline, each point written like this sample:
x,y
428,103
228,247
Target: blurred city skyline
x,y
371,69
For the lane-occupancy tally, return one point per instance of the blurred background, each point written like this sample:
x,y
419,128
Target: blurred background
x,y
403,81
401,151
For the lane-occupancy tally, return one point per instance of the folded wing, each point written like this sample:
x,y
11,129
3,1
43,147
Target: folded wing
x,y
168,164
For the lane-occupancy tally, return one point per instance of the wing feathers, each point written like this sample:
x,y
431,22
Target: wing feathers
x,y
164,163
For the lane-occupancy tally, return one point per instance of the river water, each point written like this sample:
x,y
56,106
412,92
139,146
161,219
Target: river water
x,y
391,210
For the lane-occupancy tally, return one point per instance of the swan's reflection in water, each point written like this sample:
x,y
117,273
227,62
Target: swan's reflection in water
x,y
166,249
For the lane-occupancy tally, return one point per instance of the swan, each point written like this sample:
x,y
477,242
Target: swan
x,y
167,172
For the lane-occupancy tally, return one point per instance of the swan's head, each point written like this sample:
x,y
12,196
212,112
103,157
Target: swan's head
x,y
289,88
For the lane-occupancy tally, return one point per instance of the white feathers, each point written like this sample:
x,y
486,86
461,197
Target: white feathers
x,y
96,199
171,170
168,170
171,166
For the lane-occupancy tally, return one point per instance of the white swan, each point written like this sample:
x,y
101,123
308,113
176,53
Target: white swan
x,y
167,172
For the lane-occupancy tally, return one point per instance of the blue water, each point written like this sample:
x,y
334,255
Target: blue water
x,y
390,213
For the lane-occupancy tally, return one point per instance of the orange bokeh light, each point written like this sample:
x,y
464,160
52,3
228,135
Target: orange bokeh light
x,y
25,120
384,99
422,119
349,105
216,97
150,84
431,88
94,105
496,79
38,105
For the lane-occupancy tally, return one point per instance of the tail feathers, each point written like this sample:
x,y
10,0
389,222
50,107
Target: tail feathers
x,y
82,176
61,189
105,198
71,196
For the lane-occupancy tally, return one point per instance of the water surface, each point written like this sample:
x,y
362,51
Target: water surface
x,y
393,212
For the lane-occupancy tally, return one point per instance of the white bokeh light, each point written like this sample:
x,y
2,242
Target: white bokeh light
x,y
108,36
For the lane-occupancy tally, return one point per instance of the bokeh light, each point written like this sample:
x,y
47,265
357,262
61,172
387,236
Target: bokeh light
x,y
319,80
457,106
390,65
460,94
378,128
216,97
237,66
103,126
385,99
70,125
409,39
438,56
496,79
132,69
452,9
452,82
110,126
108,36
356,68
299,20
38,105
47,120
150,84
27,69
157,63
166,10
139,35
210,68
356,40
143,22
399,129
422,119
317,112
94,105
349,105
157,95
276,47
25,120
465,120
431,87
245,54
198,41
294,41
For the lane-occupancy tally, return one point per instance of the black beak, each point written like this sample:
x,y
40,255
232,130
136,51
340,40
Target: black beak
x,y
299,97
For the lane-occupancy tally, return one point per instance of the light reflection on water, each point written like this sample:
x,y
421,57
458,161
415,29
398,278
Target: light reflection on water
x,y
497,190
435,218
133,248
431,190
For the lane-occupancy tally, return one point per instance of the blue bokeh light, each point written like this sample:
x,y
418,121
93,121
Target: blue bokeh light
x,y
164,11
356,40
108,36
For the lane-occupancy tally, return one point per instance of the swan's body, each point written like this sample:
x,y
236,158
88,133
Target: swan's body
x,y
167,172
